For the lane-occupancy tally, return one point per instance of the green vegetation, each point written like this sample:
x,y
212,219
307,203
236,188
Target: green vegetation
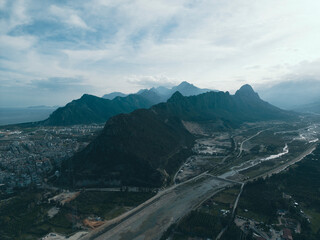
x,y
315,219
235,233
260,146
268,143
25,216
206,221
139,148
262,198
135,154
227,197
91,109
199,224
107,204
21,214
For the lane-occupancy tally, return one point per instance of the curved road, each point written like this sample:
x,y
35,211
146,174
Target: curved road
x,y
241,145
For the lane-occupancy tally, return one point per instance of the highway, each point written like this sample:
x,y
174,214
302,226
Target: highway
x,y
150,220
286,165
241,145
233,212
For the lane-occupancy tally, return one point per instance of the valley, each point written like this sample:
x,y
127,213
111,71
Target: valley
x,y
195,176
159,120
215,166
147,174
150,221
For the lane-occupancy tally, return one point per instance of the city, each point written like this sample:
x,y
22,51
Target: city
x,y
32,156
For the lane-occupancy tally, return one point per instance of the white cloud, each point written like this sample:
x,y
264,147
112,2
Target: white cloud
x,y
152,81
17,16
16,43
77,21
134,44
86,55
68,16
3,4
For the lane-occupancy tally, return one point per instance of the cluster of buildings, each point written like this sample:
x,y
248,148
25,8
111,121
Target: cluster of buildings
x,y
30,156
286,226
259,232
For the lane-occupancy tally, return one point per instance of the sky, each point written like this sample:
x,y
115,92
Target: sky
x,y
54,51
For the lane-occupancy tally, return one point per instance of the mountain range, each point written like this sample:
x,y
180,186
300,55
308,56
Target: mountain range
x,y
91,109
161,94
147,146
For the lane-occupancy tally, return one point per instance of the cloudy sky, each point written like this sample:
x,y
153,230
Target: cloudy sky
x,y
54,51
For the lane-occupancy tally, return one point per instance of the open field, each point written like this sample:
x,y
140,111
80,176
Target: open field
x,y
25,216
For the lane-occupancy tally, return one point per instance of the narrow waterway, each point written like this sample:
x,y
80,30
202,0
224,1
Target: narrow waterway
x,y
251,163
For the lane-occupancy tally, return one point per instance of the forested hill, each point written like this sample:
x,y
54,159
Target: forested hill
x,y
145,147
91,109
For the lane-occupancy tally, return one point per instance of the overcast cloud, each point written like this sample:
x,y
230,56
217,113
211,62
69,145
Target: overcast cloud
x,y
54,51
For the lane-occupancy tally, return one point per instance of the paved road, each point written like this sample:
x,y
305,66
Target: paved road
x,y
233,212
151,221
237,200
241,145
286,165
175,176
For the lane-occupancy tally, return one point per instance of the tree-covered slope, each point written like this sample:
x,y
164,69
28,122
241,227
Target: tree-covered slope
x,y
144,147
91,109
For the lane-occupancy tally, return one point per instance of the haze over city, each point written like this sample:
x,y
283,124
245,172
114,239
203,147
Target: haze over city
x,y
159,120
54,51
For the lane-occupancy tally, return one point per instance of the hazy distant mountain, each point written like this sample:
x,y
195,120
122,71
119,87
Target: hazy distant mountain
x,y
152,96
292,94
162,94
91,109
163,91
145,147
187,89
113,95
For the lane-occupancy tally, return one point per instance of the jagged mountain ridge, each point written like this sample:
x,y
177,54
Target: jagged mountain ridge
x,y
113,95
145,147
244,105
91,109
161,94
187,89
